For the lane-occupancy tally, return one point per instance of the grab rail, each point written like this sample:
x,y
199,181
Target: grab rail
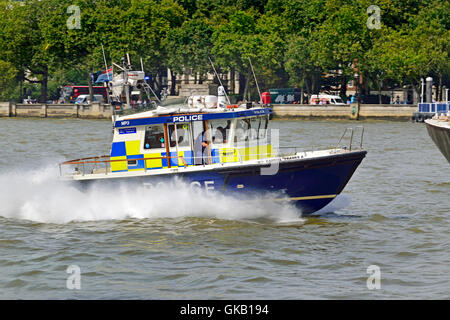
x,y
84,161
98,159
350,146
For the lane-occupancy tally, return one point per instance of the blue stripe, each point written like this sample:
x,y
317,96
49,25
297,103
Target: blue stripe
x,y
164,160
173,159
140,163
215,155
189,157
207,116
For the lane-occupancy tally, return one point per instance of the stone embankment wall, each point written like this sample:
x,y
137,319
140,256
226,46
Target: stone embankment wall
x,y
105,111
365,111
90,111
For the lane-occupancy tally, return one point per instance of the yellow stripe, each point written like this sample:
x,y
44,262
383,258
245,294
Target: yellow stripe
x,y
330,196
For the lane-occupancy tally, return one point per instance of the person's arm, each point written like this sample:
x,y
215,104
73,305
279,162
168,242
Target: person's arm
x,y
205,141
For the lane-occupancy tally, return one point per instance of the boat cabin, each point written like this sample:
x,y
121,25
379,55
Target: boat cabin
x,y
166,138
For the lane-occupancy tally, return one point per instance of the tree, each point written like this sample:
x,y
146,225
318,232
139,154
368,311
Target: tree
x,y
300,16
39,40
246,35
417,50
7,74
24,43
302,40
432,26
299,64
134,27
341,42
189,46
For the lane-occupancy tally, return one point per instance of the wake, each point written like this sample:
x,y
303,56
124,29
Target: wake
x,y
38,195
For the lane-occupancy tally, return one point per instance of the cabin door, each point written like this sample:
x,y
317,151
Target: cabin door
x,y
180,146
199,135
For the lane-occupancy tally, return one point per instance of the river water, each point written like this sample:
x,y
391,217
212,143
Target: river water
x,y
130,243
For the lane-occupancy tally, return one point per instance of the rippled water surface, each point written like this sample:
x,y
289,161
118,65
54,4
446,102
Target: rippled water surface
x,y
132,243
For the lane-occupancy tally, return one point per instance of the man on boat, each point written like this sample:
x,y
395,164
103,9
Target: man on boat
x,y
200,148
221,133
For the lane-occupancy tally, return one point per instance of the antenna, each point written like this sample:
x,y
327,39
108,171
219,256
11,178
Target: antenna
x,y
212,64
128,59
104,58
256,81
106,70
118,66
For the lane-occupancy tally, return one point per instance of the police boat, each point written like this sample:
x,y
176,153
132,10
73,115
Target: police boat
x,y
213,145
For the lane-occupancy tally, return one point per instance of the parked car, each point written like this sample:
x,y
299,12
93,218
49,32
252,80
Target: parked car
x,y
84,99
326,99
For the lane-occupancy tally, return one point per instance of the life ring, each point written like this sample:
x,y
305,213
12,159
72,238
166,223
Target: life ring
x,y
233,106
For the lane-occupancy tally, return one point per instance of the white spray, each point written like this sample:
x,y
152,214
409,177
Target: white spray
x,y
39,196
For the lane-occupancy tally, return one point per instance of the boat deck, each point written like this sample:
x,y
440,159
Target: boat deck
x,y
439,123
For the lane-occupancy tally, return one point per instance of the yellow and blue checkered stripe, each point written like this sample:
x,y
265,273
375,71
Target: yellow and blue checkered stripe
x,y
227,155
130,150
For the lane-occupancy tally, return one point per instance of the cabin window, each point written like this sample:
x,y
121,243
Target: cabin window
x,y
182,134
220,129
154,137
242,130
262,132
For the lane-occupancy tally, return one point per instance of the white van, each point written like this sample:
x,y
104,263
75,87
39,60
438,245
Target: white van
x,y
324,99
84,99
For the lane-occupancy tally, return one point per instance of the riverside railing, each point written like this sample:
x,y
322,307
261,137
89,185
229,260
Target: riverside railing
x,y
437,107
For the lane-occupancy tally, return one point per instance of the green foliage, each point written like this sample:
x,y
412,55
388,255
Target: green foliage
x,y
418,49
7,74
248,36
293,42
189,45
298,60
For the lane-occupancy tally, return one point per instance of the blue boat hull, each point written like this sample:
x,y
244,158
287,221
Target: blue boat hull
x,y
308,183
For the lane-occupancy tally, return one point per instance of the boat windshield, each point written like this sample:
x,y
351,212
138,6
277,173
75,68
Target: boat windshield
x,y
154,137
180,133
242,130
220,130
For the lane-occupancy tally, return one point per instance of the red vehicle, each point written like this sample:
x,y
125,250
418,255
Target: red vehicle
x,y
71,93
